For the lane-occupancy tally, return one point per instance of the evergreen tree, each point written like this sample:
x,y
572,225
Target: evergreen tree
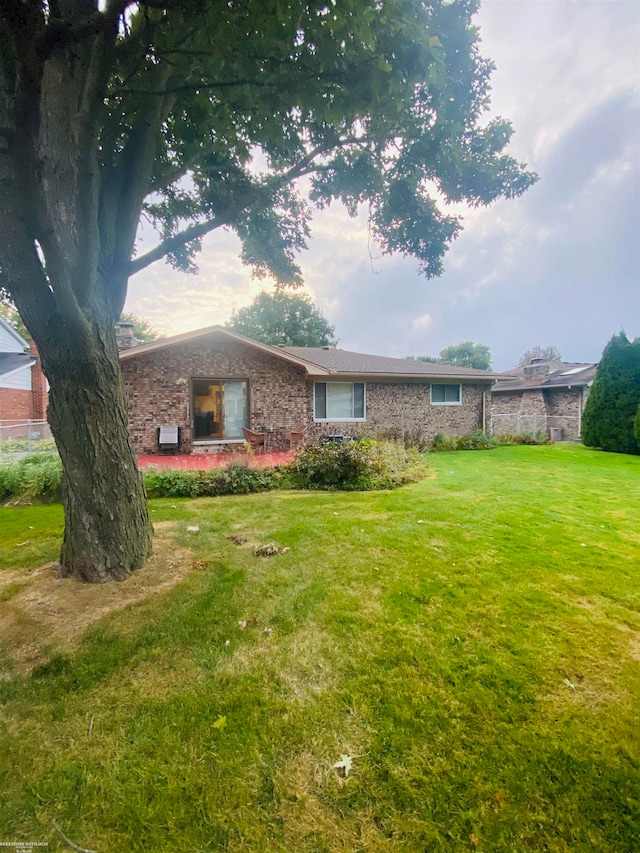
x,y
608,420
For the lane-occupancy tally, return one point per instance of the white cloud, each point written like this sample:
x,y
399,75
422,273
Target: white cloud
x,y
420,324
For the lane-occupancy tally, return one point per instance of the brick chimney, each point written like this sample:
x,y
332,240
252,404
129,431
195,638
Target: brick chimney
x,y
125,339
39,393
536,372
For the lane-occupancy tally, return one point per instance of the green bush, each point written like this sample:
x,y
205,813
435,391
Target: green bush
x,y
477,440
356,465
529,438
352,465
25,445
237,479
443,442
35,477
609,415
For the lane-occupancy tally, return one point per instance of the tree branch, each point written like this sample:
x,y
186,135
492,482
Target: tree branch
x,y
193,232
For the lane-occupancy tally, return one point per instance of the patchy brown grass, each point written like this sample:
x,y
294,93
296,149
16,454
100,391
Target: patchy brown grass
x,y
40,611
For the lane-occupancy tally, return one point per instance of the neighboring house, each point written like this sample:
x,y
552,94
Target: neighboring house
x,y
547,396
23,389
213,382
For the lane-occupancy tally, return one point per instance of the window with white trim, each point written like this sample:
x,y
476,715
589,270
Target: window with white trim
x,y
446,395
339,401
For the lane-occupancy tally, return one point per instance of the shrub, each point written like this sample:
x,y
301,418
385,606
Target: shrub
x,y
443,442
477,440
25,445
34,477
530,438
237,479
356,465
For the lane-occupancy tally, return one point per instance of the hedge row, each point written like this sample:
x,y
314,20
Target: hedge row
x,y
356,465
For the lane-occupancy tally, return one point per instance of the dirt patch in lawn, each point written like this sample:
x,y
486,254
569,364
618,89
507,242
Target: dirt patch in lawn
x,y
41,612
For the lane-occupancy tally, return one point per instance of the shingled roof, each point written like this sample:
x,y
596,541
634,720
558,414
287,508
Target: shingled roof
x,y
328,361
12,362
562,374
351,363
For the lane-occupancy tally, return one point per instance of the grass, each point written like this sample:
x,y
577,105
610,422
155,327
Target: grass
x,y
472,641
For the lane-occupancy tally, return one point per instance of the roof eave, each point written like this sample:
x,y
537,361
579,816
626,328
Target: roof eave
x,y
15,370
15,333
354,376
497,390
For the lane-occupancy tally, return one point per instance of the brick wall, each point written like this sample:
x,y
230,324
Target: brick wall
x,y
39,394
158,386
405,407
15,405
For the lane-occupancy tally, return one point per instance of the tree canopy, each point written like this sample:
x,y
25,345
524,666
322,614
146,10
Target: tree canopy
x,y
465,354
142,329
203,114
614,401
284,318
546,353
9,313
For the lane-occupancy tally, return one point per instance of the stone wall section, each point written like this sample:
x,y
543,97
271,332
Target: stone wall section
x,y
553,407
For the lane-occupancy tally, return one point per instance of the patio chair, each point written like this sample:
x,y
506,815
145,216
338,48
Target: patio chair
x,y
296,437
255,439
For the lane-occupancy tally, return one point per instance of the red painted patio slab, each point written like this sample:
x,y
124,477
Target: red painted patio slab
x,y
206,461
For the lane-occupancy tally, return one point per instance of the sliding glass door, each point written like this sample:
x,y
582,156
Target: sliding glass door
x,y
220,408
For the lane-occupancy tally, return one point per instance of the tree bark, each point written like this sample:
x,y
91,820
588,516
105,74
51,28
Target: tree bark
x,y
107,531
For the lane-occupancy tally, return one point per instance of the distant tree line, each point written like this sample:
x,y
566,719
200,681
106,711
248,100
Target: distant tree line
x,y
465,354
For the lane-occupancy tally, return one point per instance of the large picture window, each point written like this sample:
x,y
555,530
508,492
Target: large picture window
x,y
339,401
446,394
220,409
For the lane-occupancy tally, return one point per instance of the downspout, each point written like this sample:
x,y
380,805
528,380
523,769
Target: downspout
x,y
484,410
580,411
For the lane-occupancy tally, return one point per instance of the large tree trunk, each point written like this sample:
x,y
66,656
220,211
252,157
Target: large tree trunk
x,y
107,531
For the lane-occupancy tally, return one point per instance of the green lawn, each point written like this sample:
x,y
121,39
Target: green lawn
x,y
472,642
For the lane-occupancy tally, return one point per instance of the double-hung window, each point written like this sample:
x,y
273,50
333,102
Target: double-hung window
x,y
339,401
446,395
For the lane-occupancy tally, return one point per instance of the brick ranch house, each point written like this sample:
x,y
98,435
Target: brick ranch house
x,y
23,388
214,381
547,396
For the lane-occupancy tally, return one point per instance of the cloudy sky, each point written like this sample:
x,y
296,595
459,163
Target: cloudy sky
x,y
559,266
